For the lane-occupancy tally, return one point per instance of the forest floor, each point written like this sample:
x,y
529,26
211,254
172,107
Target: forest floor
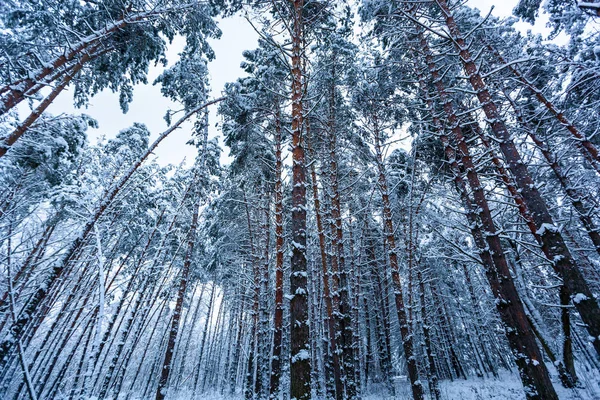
x,y
506,387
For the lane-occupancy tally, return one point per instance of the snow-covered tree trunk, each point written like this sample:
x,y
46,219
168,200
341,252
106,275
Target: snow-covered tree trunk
x,y
279,254
161,390
388,223
339,273
299,339
333,374
432,374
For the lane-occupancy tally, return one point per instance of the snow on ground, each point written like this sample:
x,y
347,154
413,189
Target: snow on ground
x,y
506,387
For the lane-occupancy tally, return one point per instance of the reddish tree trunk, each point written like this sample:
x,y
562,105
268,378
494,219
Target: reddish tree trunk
x,y
279,252
181,292
332,365
299,335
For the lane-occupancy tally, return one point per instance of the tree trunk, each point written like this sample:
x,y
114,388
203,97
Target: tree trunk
x,y
11,300
237,349
407,338
195,319
209,312
339,274
569,379
279,253
299,340
332,362
252,382
382,326
161,390
432,378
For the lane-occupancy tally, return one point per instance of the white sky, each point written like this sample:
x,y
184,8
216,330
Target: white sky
x,y
149,106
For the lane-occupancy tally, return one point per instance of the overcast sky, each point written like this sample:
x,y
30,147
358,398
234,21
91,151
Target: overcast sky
x,y
149,106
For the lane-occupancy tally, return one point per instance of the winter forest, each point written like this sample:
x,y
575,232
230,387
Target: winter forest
x,y
392,199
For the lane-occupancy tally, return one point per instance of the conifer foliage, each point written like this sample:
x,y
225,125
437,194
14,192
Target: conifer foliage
x,y
410,206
